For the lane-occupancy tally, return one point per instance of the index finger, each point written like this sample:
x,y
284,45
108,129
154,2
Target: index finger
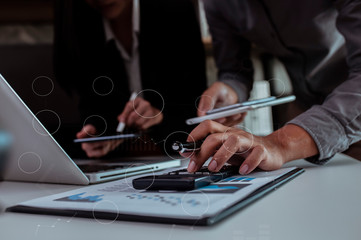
x,y
204,129
86,131
207,102
128,109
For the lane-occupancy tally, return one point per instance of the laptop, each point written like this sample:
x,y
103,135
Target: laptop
x,y
35,156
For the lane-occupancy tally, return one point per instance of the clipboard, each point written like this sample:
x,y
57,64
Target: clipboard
x,y
212,219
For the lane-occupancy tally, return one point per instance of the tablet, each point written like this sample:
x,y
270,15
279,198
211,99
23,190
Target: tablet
x,y
240,108
106,138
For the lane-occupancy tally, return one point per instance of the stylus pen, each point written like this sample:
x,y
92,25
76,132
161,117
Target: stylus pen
x,y
247,103
240,109
121,125
187,147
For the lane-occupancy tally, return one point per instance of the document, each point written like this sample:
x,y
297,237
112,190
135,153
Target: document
x,y
119,200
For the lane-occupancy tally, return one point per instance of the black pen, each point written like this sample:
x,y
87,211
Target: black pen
x,y
187,146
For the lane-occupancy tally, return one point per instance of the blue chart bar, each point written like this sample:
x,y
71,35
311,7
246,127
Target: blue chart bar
x,y
239,179
80,198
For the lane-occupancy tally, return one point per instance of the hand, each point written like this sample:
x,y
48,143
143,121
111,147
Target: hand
x,y
249,151
219,95
140,114
96,149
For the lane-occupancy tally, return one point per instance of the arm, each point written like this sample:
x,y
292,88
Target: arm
x,y
249,151
232,52
232,55
336,124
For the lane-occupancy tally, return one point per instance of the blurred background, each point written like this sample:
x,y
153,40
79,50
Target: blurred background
x,y
26,37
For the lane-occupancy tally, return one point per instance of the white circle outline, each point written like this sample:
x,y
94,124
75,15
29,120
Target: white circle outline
x,y
46,132
103,94
194,192
105,223
165,141
126,178
213,103
152,90
238,153
279,80
96,135
43,95
28,172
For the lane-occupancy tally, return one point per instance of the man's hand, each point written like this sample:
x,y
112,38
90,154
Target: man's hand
x,y
236,146
140,114
218,95
96,149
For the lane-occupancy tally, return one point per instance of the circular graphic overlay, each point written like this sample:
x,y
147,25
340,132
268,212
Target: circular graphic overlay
x,y
98,119
199,99
224,138
47,116
176,136
42,86
29,162
105,204
150,92
103,85
195,203
278,85
129,172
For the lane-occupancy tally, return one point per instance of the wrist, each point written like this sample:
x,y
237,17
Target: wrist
x,y
293,142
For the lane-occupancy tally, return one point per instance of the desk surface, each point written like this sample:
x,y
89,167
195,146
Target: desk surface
x,y
322,203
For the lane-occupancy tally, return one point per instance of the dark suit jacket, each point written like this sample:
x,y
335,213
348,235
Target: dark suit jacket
x,y
172,62
319,42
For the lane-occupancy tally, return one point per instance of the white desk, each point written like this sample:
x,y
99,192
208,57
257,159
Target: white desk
x,y
322,203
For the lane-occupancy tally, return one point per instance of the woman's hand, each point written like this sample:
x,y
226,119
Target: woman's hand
x,y
140,114
236,146
96,149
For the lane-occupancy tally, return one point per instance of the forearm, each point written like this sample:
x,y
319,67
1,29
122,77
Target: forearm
x,y
231,51
293,142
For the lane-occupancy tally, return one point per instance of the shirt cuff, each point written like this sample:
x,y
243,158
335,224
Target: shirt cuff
x,y
327,132
240,88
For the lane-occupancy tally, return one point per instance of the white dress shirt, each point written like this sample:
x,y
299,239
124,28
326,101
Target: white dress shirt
x,y
131,62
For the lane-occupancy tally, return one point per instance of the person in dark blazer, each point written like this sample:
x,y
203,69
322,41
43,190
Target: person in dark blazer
x,y
106,49
319,43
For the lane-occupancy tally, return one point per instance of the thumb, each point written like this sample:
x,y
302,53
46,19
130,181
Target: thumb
x,y
208,100
86,131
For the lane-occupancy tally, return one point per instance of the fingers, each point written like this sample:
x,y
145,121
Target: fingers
x,y
153,121
140,108
208,148
95,149
225,145
231,145
186,154
208,99
140,114
204,129
100,149
257,155
232,120
86,131
217,94
128,109
225,142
